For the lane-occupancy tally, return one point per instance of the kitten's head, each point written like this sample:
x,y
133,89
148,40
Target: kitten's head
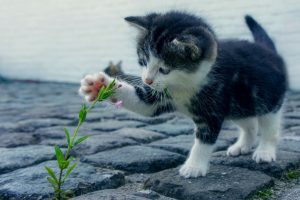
x,y
172,47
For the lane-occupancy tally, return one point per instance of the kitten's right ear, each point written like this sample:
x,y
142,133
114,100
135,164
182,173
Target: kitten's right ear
x,y
140,23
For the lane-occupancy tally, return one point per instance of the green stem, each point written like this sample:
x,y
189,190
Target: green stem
x,y
77,129
70,146
59,184
69,149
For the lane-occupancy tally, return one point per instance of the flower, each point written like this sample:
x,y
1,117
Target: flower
x,y
119,104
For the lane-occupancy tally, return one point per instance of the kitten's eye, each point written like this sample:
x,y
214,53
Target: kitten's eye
x,y
142,62
164,71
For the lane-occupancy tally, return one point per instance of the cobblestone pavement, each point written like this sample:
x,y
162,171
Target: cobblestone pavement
x,y
128,156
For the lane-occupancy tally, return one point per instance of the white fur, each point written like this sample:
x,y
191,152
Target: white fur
x,y
180,84
269,126
198,161
124,92
246,140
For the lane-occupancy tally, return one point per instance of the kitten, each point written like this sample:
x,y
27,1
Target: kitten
x,y
207,79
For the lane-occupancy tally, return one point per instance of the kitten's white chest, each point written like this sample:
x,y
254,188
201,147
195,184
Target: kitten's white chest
x,y
182,101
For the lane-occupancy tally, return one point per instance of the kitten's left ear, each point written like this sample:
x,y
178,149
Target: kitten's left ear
x,y
140,23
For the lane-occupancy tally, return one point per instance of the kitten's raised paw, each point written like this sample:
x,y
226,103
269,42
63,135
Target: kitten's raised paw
x,y
238,149
91,84
266,155
189,171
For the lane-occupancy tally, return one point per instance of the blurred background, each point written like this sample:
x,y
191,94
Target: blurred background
x,y
62,41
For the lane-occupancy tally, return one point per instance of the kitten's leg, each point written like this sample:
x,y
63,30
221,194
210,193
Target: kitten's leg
x,y
269,127
197,163
137,99
246,140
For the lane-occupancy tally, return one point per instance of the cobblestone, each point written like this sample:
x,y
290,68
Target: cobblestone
x,y
30,183
136,159
128,156
221,183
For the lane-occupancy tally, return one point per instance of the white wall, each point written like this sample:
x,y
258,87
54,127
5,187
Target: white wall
x,y
62,40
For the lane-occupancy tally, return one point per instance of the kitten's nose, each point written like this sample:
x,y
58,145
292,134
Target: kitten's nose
x,y
149,81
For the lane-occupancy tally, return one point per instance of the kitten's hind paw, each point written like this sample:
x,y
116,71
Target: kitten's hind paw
x,y
264,155
237,149
188,171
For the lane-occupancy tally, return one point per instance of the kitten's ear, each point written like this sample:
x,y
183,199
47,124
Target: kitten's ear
x,y
187,46
140,23
119,65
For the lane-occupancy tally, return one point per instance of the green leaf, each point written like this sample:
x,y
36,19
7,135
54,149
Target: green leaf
x,y
71,158
111,85
59,156
52,182
52,174
106,91
66,164
100,94
68,136
81,139
69,170
82,113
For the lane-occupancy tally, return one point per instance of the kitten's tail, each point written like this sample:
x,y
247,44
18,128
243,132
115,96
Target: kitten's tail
x,y
259,34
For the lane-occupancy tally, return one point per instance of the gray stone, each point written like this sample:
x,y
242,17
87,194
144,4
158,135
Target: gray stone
x,y
100,112
31,182
285,160
30,125
61,142
148,120
183,143
229,134
172,129
140,135
179,144
19,157
292,115
290,122
136,159
222,145
150,194
292,194
17,139
289,145
58,132
222,182
112,125
109,194
7,127
97,143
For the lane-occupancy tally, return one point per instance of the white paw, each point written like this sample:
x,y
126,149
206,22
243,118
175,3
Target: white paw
x,y
264,155
91,84
238,149
190,171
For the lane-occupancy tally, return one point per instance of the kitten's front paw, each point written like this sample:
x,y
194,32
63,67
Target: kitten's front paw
x,y
264,155
237,149
91,84
190,171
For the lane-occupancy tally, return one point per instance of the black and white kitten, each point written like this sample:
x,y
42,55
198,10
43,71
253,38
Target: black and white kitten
x,y
208,80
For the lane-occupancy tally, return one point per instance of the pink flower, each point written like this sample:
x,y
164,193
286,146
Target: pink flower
x,y
119,104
